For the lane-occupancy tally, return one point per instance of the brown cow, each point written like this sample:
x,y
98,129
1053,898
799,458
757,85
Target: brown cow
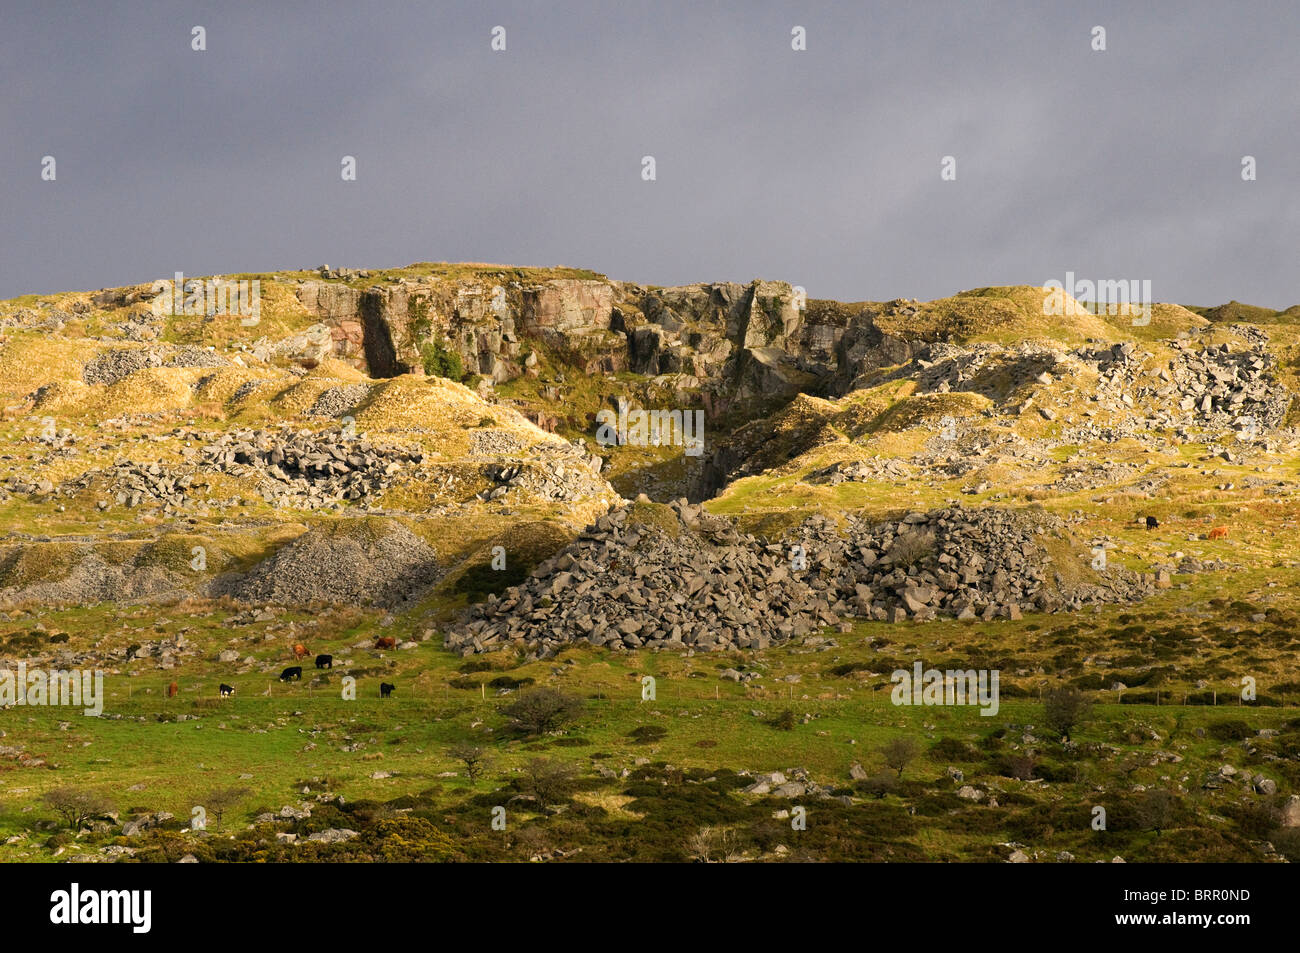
x,y
172,689
300,651
1219,532
385,642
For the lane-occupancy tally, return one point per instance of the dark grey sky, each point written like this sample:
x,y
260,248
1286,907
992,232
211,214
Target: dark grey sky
x,y
819,167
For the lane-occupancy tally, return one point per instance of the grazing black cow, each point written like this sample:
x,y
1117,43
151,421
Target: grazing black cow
x,y
291,673
227,690
1152,522
385,689
324,661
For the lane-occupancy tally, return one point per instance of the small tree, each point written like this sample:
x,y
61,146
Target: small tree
x,y
546,780
543,709
76,806
223,799
1064,708
1156,810
899,753
473,757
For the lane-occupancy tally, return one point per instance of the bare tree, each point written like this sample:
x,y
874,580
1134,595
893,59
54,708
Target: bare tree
x,y
223,799
76,806
711,845
473,757
1156,810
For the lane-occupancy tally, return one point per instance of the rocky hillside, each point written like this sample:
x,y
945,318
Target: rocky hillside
x,y
164,453
410,473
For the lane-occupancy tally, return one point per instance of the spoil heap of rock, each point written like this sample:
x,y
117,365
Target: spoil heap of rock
x,y
633,586
1210,387
388,569
337,401
133,484
707,586
555,473
969,563
115,364
991,369
860,471
308,468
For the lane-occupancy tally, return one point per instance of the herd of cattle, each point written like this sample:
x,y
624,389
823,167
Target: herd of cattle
x,y
294,672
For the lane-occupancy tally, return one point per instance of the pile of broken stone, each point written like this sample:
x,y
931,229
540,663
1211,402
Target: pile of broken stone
x,y
708,586
306,467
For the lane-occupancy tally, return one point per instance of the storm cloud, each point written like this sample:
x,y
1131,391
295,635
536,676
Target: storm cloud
x,y
819,167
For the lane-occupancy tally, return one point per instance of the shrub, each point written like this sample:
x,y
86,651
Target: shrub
x,y
1287,842
899,753
76,806
1018,766
953,749
648,733
878,785
507,681
848,668
911,547
1064,708
1155,811
783,721
714,845
1233,729
542,710
439,361
546,780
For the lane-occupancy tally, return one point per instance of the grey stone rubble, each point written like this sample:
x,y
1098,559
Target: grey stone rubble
x,y
1214,387
307,468
306,348
994,370
338,401
861,471
708,586
133,484
112,365
373,562
1210,386
552,472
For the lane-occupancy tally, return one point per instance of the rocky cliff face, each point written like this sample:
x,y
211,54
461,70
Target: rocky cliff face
x,y
745,341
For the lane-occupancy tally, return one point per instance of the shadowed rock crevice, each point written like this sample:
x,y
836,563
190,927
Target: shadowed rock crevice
x,y
381,353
